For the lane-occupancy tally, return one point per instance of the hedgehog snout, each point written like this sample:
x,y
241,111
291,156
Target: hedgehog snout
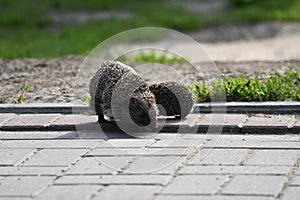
x,y
145,117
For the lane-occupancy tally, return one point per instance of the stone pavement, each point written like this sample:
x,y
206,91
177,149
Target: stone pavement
x,y
56,156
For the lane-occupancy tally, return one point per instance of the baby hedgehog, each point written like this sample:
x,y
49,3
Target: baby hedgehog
x,y
174,96
117,86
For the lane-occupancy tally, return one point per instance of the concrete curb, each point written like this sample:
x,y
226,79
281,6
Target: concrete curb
x,y
194,123
282,107
45,108
289,107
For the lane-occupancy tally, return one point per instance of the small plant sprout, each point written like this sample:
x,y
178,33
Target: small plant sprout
x,y
85,98
3,100
23,89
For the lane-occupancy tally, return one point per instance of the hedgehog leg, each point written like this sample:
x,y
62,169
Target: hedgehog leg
x,y
101,118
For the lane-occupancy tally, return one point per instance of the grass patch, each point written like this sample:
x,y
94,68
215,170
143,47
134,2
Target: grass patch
x,y
152,57
256,10
274,88
27,29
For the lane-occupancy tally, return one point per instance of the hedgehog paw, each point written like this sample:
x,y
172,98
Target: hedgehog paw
x,y
101,119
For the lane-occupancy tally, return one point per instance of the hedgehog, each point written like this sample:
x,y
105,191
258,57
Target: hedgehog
x,y
116,90
173,98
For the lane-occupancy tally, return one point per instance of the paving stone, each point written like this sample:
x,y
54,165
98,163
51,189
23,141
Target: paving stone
x,y
296,125
252,137
244,141
37,135
179,136
50,144
211,197
295,181
267,120
100,134
19,186
219,156
38,120
268,123
230,122
75,119
189,124
155,165
6,117
179,142
291,193
93,165
114,179
132,192
250,170
54,157
255,185
74,192
75,122
15,198
226,119
273,157
13,156
195,184
30,171
190,120
127,143
139,152
298,171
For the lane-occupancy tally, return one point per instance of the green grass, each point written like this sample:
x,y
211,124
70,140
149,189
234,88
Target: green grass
x,y
275,88
152,57
27,30
256,10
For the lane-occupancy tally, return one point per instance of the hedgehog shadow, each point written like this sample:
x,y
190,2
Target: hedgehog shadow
x,y
111,130
105,131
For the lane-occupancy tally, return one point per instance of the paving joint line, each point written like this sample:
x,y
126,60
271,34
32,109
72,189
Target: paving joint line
x,y
64,170
242,123
126,166
28,157
230,177
7,120
152,143
195,150
289,178
224,184
94,194
291,125
246,157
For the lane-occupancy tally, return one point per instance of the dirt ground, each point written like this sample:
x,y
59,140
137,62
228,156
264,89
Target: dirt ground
x,y
55,81
257,49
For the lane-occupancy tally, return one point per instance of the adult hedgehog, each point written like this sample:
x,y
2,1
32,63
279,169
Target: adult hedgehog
x,y
117,91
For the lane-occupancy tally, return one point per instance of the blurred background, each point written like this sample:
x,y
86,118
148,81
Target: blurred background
x,y
53,28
